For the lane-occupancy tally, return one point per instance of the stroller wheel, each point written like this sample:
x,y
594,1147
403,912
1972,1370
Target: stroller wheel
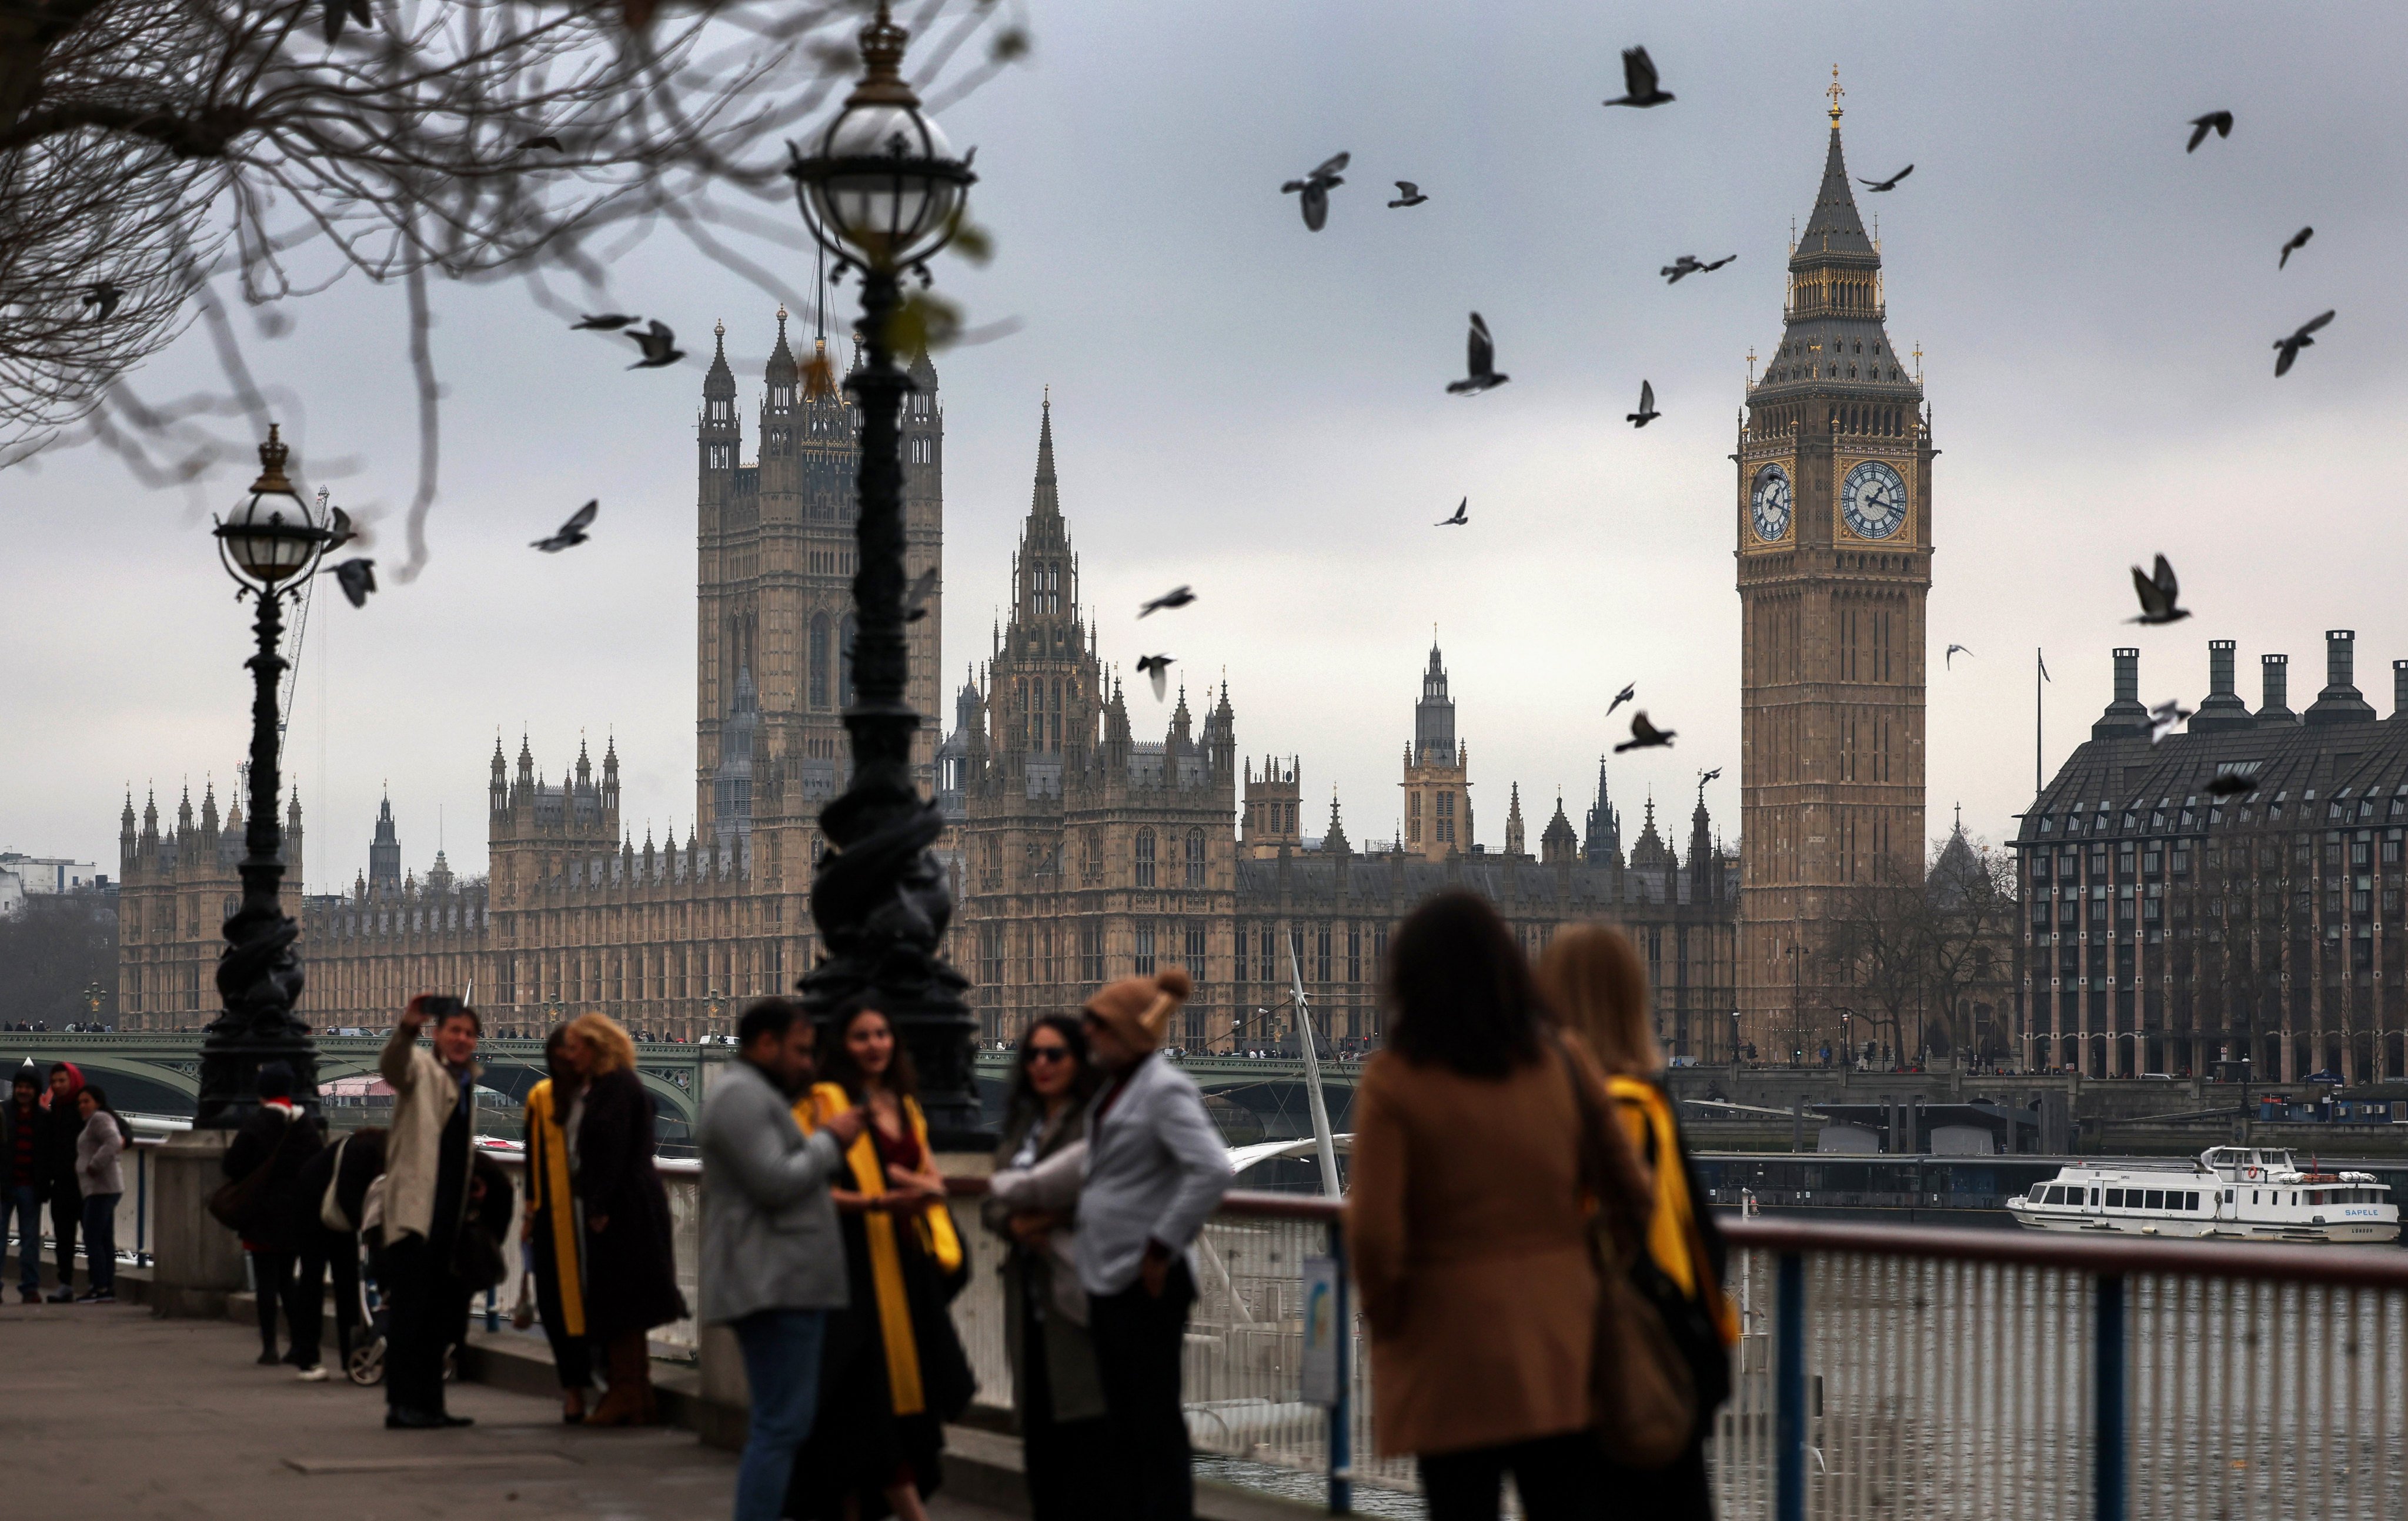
x,y
365,1365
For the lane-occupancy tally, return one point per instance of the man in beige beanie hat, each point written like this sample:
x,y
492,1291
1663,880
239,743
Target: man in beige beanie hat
x,y
1156,1170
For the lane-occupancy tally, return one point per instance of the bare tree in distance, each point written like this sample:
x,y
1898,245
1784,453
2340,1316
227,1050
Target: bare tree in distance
x,y
1920,949
195,154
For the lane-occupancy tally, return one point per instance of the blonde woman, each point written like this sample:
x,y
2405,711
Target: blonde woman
x,y
630,1265
1593,980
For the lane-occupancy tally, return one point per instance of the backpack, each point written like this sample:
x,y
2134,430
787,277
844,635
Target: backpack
x,y
240,1204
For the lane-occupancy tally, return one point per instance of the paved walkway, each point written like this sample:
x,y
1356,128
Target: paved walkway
x,y
106,1412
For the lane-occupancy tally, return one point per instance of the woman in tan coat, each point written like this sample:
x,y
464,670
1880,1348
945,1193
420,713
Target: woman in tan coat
x,y
1466,1222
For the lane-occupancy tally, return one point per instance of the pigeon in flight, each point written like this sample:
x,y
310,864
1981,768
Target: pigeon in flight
x,y
2219,122
2233,779
2158,594
105,296
1645,736
2163,717
1687,264
1462,515
545,141
659,345
1482,364
1647,412
915,599
1157,670
340,530
573,531
1639,85
609,322
1874,187
1313,190
357,11
1178,596
2299,240
1949,659
1408,194
1715,775
1620,697
2291,346
358,579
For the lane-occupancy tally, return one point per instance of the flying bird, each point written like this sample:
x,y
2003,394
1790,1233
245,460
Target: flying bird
x,y
2299,240
1462,515
340,530
2233,779
1482,364
1157,670
545,141
358,579
2291,346
1687,264
659,345
1313,190
336,10
1639,85
573,531
1647,412
915,598
1178,596
1408,194
2163,717
1875,187
1715,775
2158,594
1949,659
104,295
2219,122
1645,736
1620,697
609,321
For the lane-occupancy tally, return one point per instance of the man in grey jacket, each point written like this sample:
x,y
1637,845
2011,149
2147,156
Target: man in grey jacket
x,y
1156,1170
772,1260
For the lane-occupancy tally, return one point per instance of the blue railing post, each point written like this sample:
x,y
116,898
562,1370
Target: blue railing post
x,y
2107,1373
1789,1390
1341,1411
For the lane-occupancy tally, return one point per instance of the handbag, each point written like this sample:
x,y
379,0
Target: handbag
x,y
1642,1393
239,1202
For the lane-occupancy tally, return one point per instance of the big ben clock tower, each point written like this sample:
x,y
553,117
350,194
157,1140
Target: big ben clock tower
x,y
1834,522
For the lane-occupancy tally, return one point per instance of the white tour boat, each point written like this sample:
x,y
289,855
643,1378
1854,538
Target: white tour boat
x,y
2232,1193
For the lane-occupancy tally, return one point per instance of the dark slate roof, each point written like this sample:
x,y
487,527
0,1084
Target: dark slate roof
x,y
2310,777
1395,886
1842,352
1835,227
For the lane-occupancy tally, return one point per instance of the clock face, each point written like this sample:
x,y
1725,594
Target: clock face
x,y
1767,503
1873,500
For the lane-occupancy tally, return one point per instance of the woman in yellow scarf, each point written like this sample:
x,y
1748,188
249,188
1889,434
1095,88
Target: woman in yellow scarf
x,y
893,1372
551,1229
1595,982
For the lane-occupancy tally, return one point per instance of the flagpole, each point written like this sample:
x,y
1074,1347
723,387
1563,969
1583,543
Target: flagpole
x,y
2039,673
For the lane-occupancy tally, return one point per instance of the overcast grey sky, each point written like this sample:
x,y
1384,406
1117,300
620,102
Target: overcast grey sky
x,y
1257,411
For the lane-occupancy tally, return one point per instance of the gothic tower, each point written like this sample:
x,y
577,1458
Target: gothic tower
x,y
1833,519
1436,784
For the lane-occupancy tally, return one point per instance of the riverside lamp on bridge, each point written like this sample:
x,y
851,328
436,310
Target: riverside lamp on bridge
x,y
881,191
270,544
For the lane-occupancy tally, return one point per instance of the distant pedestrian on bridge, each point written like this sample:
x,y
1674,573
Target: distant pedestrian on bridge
x,y
1156,1170
630,1261
1596,985
20,1154
772,1267
103,1140
275,1142
1468,1228
427,1182
553,1230
61,1126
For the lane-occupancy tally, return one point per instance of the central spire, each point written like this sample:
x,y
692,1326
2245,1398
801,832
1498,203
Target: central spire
x,y
1046,501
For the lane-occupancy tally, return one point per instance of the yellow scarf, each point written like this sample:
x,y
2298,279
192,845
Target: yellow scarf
x,y
938,1239
547,1181
1672,1239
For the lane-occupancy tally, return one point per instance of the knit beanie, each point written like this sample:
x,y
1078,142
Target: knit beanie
x,y
1138,1008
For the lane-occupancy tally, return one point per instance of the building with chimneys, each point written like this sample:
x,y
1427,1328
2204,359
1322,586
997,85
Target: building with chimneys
x,y
176,888
2169,928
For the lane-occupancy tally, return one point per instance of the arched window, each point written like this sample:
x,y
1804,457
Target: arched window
x,y
1194,877
819,661
844,665
1145,857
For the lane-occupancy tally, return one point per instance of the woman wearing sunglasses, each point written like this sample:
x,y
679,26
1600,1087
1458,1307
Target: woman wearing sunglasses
x,y
1055,1384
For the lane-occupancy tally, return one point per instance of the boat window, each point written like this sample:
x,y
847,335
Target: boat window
x,y
2157,1199
2094,1198
2115,1199
2051,1196
2190,1200
2227,1195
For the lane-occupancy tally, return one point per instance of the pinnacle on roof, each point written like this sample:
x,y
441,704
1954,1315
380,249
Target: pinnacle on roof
x,y
1836,227
719,380
782,366
1046,500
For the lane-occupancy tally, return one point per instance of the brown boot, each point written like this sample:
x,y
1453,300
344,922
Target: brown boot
x,y
624,1403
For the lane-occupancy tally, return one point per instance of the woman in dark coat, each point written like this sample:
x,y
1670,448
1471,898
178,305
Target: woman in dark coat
x,y
270,1235
630,1263
554,1241
1056,1391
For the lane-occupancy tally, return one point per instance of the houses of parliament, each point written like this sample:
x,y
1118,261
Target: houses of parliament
x,y
1083,852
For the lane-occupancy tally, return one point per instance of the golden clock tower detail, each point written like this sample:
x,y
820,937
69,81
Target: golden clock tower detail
x,y
1834,523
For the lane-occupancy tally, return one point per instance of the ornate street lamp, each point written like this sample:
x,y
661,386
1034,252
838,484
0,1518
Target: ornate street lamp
x,y
269,544
881,191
